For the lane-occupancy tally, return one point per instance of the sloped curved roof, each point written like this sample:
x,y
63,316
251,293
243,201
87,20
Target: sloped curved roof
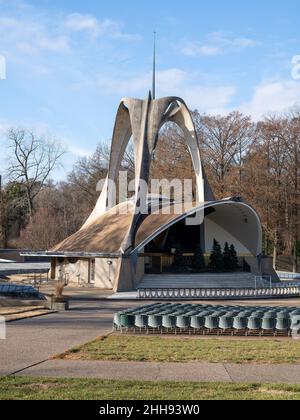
x,y
106,234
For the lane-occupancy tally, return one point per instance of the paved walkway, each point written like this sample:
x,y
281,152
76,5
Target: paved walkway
x,y
194,372
33,341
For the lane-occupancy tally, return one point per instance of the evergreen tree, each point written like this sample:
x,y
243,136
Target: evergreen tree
x,y
234,262
179,264
227,258
216,258
198,263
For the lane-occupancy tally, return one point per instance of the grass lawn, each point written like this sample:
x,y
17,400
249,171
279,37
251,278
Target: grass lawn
x,y
17,388
156,349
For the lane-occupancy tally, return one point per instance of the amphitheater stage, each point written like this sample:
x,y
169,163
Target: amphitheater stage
x,y
232,286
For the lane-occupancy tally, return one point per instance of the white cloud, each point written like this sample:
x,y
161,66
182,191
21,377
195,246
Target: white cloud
x,y
31,36
172,82
194,49
79,22
217,43
273,96
60,43
4,127
79,151
270,96
89,23
95,27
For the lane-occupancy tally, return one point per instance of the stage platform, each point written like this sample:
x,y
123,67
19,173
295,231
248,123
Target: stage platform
x,y
202,281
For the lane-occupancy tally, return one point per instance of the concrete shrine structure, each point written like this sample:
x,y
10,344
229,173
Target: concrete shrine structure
x,y
119,244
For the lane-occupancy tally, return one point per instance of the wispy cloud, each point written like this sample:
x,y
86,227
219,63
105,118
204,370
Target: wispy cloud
x,y
30,36
170,82
95,27
272,96
217,43
4,127
34,33
79,152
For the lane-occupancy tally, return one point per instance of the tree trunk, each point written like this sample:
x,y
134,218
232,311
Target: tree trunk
x,y
3,221
275,252
29,203
295,259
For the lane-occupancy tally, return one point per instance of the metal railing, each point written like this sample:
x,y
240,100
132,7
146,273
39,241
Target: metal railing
x,y
288,276
261,282
36,280
220,294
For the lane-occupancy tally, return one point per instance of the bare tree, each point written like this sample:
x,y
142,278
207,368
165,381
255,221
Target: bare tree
x,y
272,139
88,171
225,141
32,159
293,162
3,219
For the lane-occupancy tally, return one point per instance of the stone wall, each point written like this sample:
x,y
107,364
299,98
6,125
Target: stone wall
x,y
74,271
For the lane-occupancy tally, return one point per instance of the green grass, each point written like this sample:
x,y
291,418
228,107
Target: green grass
x,y
18,388
156,349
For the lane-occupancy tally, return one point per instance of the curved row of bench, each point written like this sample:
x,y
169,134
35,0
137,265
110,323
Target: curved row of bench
x,y
184,317
222,294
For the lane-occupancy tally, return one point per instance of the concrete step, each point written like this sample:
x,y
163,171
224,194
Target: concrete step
x,y
28,315
234,280
20,310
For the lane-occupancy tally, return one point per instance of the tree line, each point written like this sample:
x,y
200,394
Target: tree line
x,y
256,160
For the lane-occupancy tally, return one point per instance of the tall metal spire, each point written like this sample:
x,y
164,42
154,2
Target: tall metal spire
x,y
154,69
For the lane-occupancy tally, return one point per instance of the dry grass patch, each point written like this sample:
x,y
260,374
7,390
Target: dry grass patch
x,y
156,349
22,388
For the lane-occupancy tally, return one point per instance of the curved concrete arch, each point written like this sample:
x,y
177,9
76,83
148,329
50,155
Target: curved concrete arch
x,y
121,136
143,119
184,121
147,118
183,118
249,234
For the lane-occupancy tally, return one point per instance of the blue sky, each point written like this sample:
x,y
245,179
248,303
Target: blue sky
x,y
69,62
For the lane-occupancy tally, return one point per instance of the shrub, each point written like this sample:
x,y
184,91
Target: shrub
x,y
59,290
198,263
216,258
